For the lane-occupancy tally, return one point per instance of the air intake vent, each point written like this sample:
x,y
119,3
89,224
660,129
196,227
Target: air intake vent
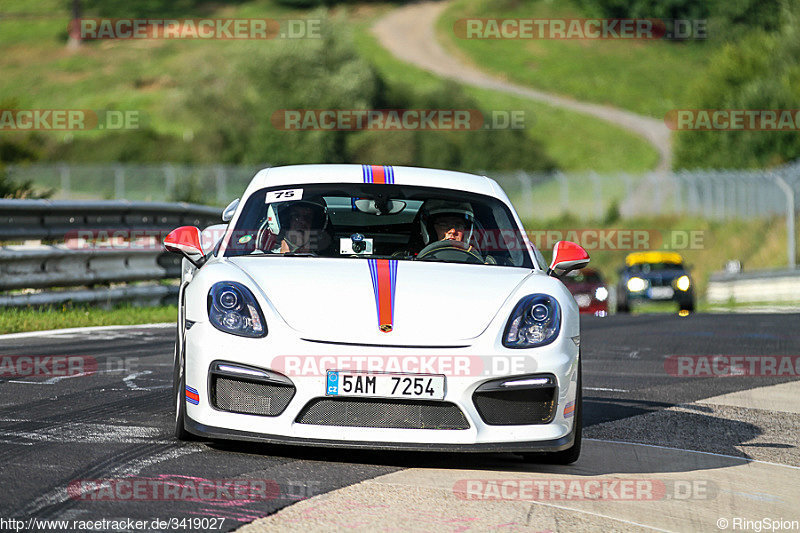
x,y
383,413
502,403
248,396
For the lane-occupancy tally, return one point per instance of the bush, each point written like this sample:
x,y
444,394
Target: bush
x,y
143,145
20,190
328,73
759,72
727,19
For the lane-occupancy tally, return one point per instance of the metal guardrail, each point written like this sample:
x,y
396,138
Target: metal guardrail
x,y
763,286
55,220
74,262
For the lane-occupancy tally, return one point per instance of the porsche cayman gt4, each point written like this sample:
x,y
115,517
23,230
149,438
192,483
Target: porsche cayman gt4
x,y
379,307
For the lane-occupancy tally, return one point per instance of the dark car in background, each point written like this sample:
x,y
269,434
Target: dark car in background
x,y
656,277
589,290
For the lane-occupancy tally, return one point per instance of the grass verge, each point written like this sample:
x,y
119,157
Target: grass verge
x,y
573,140
31,319
648,77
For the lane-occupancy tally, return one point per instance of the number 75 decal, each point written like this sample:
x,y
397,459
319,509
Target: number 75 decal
x,y
284,196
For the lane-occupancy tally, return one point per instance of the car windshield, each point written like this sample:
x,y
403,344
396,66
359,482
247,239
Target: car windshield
x,y
378,221
655,267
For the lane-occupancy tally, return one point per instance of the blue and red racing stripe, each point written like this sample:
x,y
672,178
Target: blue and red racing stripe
x,y
192,395
569,409
378,174
384,280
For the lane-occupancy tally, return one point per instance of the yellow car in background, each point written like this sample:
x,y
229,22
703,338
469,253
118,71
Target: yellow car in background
x,y
657,277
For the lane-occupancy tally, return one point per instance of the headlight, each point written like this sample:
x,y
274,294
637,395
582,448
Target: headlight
x,y
232,308
535,321
600,294
636,284
683,283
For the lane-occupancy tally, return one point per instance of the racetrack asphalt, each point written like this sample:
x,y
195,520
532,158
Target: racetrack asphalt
x,y
116,423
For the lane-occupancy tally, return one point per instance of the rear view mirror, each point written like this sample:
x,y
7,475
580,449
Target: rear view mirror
x,y
567,256
392,207
186,241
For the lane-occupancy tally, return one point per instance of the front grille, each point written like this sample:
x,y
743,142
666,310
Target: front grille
x,y
249,397
658,281
516,407
383,413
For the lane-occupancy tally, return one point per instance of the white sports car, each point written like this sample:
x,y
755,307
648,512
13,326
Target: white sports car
x,y
378,307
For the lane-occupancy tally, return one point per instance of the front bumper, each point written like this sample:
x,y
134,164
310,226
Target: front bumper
x,y
643,296
205,344
209,432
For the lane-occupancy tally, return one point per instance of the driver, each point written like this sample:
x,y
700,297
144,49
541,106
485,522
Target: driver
x,y
302,226
449,227
447,220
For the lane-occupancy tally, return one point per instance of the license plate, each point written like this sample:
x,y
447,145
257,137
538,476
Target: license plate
x,y
384,385
661,293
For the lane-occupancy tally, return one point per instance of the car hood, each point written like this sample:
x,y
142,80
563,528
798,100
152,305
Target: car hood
x,y
335,300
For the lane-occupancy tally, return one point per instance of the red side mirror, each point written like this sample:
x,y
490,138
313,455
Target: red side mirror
x,y
186,241
567,256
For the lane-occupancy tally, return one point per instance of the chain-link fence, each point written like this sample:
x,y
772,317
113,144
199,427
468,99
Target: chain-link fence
x,y
710,194
202,184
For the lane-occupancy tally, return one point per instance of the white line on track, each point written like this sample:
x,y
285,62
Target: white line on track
x,y
132,468
86,329
131,384
605,389
600,515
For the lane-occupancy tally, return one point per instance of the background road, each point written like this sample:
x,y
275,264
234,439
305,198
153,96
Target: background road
x,y
117,422
409,33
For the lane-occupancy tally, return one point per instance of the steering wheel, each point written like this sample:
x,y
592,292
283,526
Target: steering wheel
x,y
265,239
450,250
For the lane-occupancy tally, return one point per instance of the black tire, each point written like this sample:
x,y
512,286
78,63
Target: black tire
x,y
178,401
571,454
623,307
687,306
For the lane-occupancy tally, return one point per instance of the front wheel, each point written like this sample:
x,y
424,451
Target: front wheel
x,y
571,454
178,396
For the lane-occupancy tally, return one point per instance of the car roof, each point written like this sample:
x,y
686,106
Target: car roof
x,y
637,258
426,177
